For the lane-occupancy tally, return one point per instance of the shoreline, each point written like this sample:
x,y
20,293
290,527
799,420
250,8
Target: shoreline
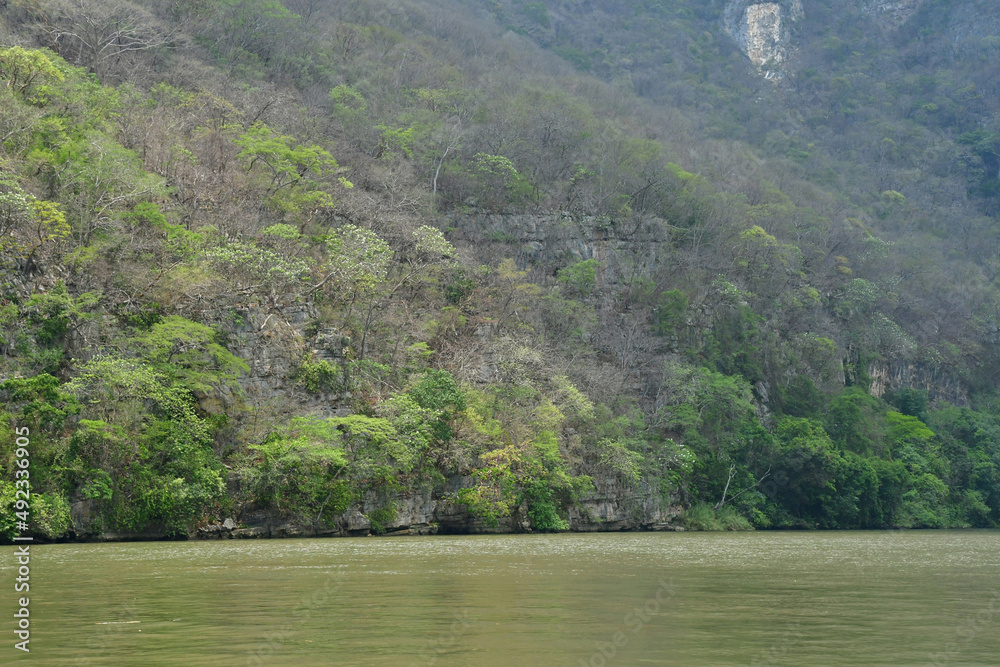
x,y
288,532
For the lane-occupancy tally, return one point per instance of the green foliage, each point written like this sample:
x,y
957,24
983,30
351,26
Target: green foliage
x,y
359,258
8,522
282,231
27,72
580,278
247,263
39,402
575,57
437,391
702,516
912,402
149,441
318,375
395,140
531,475
380,518
189,351
802,398
543,511
707,408
246,35
671,312
430,243
808,460
459,287
27,224
181,241
291,171
625,463
851,420
379,454
350,108
50,515
498,183
536,12
298,471
282,158
733,345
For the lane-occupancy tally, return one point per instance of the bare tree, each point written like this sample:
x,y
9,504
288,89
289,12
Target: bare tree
x,y
111,39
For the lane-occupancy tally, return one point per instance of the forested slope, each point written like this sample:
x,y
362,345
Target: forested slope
x,y
372,265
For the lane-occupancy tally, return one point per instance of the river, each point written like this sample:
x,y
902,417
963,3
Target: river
x,y
687,599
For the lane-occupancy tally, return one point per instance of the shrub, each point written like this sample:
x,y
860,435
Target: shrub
x,y
318,375
580,278
702,516
381,518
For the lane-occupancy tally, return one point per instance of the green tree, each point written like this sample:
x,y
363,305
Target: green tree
x,y
298,470
27,224
147,459
26,72
498,183
188,351
580,278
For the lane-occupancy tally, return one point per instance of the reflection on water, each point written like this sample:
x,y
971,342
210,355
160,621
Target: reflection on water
x,y
714,599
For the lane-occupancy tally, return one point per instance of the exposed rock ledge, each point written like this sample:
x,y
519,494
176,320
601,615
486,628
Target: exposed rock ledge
x,y
762,30
609,508
891,13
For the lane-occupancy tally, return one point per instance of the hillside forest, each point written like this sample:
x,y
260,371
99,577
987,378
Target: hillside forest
x,y
302,262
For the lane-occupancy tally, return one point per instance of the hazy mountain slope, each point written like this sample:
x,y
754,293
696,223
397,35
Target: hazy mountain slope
x,y
368,265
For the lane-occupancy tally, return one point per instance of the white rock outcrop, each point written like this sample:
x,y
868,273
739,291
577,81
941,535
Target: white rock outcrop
x,y
761,29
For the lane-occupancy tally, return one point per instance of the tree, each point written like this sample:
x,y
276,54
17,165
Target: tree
x,y
108,38
438,392
24,72
851,421
497,182
282,158
298,470
28,225
248,33
147,460
580,278
506,291
290,170
189,352
255,269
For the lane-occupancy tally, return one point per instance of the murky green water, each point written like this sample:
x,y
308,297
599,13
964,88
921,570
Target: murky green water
x,y
846,598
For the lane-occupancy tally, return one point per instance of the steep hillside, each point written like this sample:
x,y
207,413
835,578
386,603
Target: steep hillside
x,y
331,268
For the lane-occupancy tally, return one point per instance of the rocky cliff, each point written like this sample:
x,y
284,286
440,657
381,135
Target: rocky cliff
x,y
891,376
763,31
273,339
891,14
609,507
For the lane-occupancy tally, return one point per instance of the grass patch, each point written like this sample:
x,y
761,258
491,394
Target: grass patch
x,y
702,516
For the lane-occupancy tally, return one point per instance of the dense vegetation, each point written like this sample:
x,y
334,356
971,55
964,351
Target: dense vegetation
x,y
798,324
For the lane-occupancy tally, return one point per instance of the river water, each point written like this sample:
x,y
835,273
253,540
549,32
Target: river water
x,y
714,599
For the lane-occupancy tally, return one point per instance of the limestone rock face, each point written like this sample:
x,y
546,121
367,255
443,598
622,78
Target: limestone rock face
x,y
762,31
898,374
892,13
